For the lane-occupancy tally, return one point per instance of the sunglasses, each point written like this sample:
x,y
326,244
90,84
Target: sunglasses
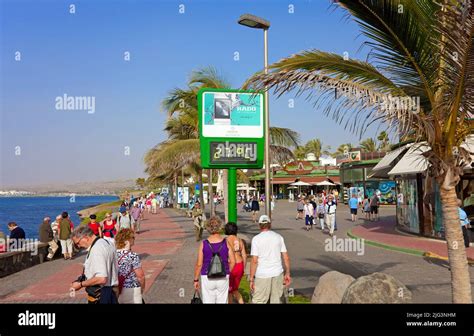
x,y
76,245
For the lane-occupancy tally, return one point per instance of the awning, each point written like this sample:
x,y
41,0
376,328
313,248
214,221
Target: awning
x,y
413,161
382,168
469,146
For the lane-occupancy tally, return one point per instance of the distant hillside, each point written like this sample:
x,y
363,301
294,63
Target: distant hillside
x,y
111,187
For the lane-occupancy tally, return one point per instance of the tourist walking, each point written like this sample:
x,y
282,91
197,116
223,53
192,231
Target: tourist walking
x,y
240,255
299,208
46,235
198,220
108,226
65,229
100,274
320,213
130,272
465,224
95,227
214,263
136,212
330,209
267,276
255,207
125,220
366,207
148,205
374,207
309,213
353,205
154,203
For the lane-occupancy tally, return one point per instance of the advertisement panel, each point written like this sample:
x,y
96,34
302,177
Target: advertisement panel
x,y
232,128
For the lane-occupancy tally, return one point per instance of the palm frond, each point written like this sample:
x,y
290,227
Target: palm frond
x,y
456,75
400,34
281,136
172,156
281,155
364,102
208,77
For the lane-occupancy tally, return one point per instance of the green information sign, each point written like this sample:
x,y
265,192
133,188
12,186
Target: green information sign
x,y
231,128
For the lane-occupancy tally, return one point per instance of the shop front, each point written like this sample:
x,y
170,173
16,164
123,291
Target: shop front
x,y
356,179
309,172
418,196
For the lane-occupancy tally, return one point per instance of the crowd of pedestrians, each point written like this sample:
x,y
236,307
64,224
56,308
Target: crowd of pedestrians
x,y
221,263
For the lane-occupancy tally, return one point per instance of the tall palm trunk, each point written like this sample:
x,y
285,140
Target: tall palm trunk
x,y
211,193
460,279
225,182
175,191
201,190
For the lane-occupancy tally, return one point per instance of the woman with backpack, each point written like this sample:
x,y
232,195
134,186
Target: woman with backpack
x,y
130,272
214,263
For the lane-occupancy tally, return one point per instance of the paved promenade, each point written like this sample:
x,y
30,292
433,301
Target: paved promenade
x,y
167,248
160,239
384,232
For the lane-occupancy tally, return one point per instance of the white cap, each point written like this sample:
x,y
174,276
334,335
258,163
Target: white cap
x,y
264,219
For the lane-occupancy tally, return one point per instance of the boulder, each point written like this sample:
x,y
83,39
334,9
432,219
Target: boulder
x,y
331,287
377,288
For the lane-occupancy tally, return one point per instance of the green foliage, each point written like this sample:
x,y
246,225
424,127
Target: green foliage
x,y
368,145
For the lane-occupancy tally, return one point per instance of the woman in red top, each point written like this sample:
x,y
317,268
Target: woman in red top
x,y
95,226
240,260
109,229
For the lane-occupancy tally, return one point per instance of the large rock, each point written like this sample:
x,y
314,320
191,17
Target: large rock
x,y
331,287
377,288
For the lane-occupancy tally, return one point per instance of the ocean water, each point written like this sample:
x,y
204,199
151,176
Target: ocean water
x,y
28,212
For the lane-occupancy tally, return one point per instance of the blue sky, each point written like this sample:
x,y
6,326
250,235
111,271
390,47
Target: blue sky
x,y
82,54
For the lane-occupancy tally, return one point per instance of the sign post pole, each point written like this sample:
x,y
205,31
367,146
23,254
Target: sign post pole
x,y
232,194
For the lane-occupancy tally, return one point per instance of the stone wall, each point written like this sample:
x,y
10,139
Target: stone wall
x,y
15,261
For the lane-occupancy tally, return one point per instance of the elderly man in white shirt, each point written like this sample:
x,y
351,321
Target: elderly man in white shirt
x,y
267,277
100,275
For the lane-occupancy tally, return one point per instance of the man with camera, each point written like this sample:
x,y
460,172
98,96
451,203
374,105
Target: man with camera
x,y
100,274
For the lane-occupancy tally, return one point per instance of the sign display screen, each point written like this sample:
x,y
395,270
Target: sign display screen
x,y
231,128
232,114
231,152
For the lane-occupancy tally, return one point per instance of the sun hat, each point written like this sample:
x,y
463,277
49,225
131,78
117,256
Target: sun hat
x,y
264,219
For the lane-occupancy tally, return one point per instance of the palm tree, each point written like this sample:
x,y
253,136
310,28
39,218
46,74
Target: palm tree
x,y
300,152
368,145
181,149
314,146
419,82
342,148
384,145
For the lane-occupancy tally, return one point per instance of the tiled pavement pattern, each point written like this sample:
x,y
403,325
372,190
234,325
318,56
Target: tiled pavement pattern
x,y
384,232
167,240
49,282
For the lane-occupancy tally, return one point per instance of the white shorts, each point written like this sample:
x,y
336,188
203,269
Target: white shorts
x,y
66,246
131,295
214,291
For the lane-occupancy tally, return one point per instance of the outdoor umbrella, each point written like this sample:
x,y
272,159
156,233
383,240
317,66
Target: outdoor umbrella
x,y
299,184
326,184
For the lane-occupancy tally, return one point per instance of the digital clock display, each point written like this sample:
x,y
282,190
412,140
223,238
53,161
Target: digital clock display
x,y
231,152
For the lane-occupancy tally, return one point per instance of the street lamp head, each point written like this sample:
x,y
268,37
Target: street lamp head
x,y
253,21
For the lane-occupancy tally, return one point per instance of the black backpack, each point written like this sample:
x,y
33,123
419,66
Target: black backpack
x,y
216,267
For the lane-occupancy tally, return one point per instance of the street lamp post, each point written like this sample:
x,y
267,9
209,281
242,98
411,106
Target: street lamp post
x,y
256,22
